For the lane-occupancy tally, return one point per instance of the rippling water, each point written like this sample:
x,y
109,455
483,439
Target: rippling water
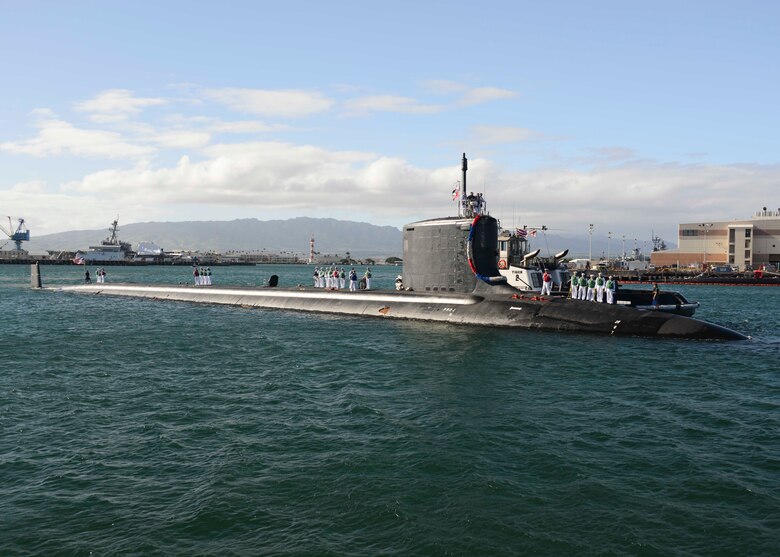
x,y
144,427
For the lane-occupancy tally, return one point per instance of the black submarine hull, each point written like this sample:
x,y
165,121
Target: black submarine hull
x,y
500,307
450,275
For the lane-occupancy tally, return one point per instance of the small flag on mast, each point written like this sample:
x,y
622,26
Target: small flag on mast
x,y
455,194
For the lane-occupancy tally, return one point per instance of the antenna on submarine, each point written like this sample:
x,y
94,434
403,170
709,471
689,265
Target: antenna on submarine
x,y
470,205
464,168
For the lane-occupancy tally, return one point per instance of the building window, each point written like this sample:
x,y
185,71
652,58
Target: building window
x,y
732,235
747,244
731,259
747,233
689,232
747,254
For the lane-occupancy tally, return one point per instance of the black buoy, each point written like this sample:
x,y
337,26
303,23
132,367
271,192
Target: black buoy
x,y
273,281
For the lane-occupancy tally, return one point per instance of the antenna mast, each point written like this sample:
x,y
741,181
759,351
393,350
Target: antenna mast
x,y
464,167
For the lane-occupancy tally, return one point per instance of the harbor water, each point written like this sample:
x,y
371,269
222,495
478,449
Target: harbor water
x,y
140,427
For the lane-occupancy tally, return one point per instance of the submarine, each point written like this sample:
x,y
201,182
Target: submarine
x,y
450,275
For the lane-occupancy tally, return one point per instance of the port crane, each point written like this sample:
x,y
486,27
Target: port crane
x,y
17,235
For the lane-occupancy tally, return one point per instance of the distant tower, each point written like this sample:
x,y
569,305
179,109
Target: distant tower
x,y
311,250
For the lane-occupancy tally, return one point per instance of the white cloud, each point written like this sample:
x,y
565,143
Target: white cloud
x,y
503,134
485,94
636,197
274,175
57,137
115,105
462,96
48,211
31,186
216,125
245,126
443,87
389,103
272,103
308,180
182,139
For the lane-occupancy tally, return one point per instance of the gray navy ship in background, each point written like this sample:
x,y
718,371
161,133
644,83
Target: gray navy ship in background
x,y
451,275
110,250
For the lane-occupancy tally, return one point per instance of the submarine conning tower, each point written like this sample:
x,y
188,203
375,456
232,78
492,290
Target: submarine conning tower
x,y
453,254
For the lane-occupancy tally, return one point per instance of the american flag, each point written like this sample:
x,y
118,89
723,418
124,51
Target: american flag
x,y
533,233
78,260
522,232
455,194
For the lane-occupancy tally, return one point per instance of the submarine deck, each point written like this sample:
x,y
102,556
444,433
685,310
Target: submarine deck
x,y
497,307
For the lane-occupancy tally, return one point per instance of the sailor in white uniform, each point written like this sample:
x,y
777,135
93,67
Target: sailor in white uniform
x,y
610,291
342,278
546,283
590,294
368,278
600,288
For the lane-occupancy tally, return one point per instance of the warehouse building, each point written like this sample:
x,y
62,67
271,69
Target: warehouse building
x,y
743,244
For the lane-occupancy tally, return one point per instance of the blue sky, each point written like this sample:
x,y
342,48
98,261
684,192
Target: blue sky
x,y
631,116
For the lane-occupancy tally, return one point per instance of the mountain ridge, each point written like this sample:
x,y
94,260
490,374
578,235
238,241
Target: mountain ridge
x,y
332,236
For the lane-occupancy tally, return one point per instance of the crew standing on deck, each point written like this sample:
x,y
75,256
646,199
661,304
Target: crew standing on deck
x,y
546,283
591,289
583,286
342,279
87,278
655,295
600,288
367,276
610,290
196,275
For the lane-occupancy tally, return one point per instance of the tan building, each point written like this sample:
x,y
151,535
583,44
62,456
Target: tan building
x,y
744,244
